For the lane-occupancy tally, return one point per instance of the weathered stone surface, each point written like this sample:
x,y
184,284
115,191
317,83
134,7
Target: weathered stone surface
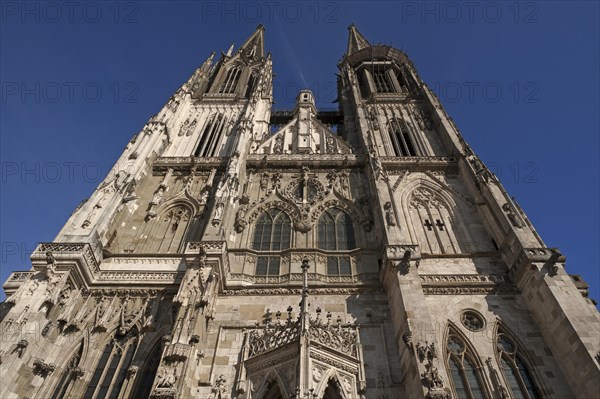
x,y
233,252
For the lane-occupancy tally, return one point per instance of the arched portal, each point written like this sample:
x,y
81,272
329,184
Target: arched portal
x,y
332,391
273,391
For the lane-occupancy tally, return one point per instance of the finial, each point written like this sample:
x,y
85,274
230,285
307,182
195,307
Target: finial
x,y
230,51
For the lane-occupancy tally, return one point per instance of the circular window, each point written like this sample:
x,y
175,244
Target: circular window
x,y
472,320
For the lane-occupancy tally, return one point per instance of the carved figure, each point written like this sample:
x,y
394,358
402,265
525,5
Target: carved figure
x,y
389,214
167,378
432,376
158,196
512,216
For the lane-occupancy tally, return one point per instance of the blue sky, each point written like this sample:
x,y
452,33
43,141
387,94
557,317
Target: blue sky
x,y
520,80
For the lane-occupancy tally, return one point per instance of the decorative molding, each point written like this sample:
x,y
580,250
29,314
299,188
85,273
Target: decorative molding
x,y
162,277
271,362
272,337
335,363
466,284
19,276
469,290
72,249
464,278
42,368
298,291
357,278
314,161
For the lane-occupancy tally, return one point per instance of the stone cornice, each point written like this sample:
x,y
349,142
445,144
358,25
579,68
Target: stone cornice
x,y
466,284
314,161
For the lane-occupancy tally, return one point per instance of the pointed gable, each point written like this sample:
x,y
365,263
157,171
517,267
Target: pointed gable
x,y
304,133
254,46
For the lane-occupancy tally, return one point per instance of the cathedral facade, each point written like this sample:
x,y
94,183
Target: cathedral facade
x,y
235,252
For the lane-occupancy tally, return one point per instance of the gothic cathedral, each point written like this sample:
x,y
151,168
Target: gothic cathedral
x,y
235,252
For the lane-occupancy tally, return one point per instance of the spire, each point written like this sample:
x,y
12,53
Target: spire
x,y
356,41
254,46
230,51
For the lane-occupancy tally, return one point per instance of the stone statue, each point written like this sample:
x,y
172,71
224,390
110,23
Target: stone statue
x,y
390,217
512,216
432,376
330,144
344,182
158,196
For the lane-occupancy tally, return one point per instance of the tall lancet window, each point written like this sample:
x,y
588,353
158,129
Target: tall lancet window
x,y
111,369
464,372
231,80
382,79
402,139
252,80
519,380
335,232
145,378
70,373
210,138
165,233
273,232
432,223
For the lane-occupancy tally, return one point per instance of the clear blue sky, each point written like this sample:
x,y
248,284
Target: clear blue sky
x,y
521,80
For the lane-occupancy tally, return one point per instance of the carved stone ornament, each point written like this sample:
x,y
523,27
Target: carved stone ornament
x,y
512,215
407,338
165,387
42,368
426,351
434,383
163,393
132,371
438,394
219,388
390,217
77,372
21,347
404,264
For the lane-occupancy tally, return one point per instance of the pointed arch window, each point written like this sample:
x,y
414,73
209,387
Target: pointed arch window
x,y
332,391
69,375
273,392
402,139
515,371
252,80
465,375
382,79
166,232
335,232
433,223
145,379
273,232
231,80
111,369
210,137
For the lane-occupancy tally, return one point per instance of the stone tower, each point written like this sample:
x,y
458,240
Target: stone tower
x,y
236,252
